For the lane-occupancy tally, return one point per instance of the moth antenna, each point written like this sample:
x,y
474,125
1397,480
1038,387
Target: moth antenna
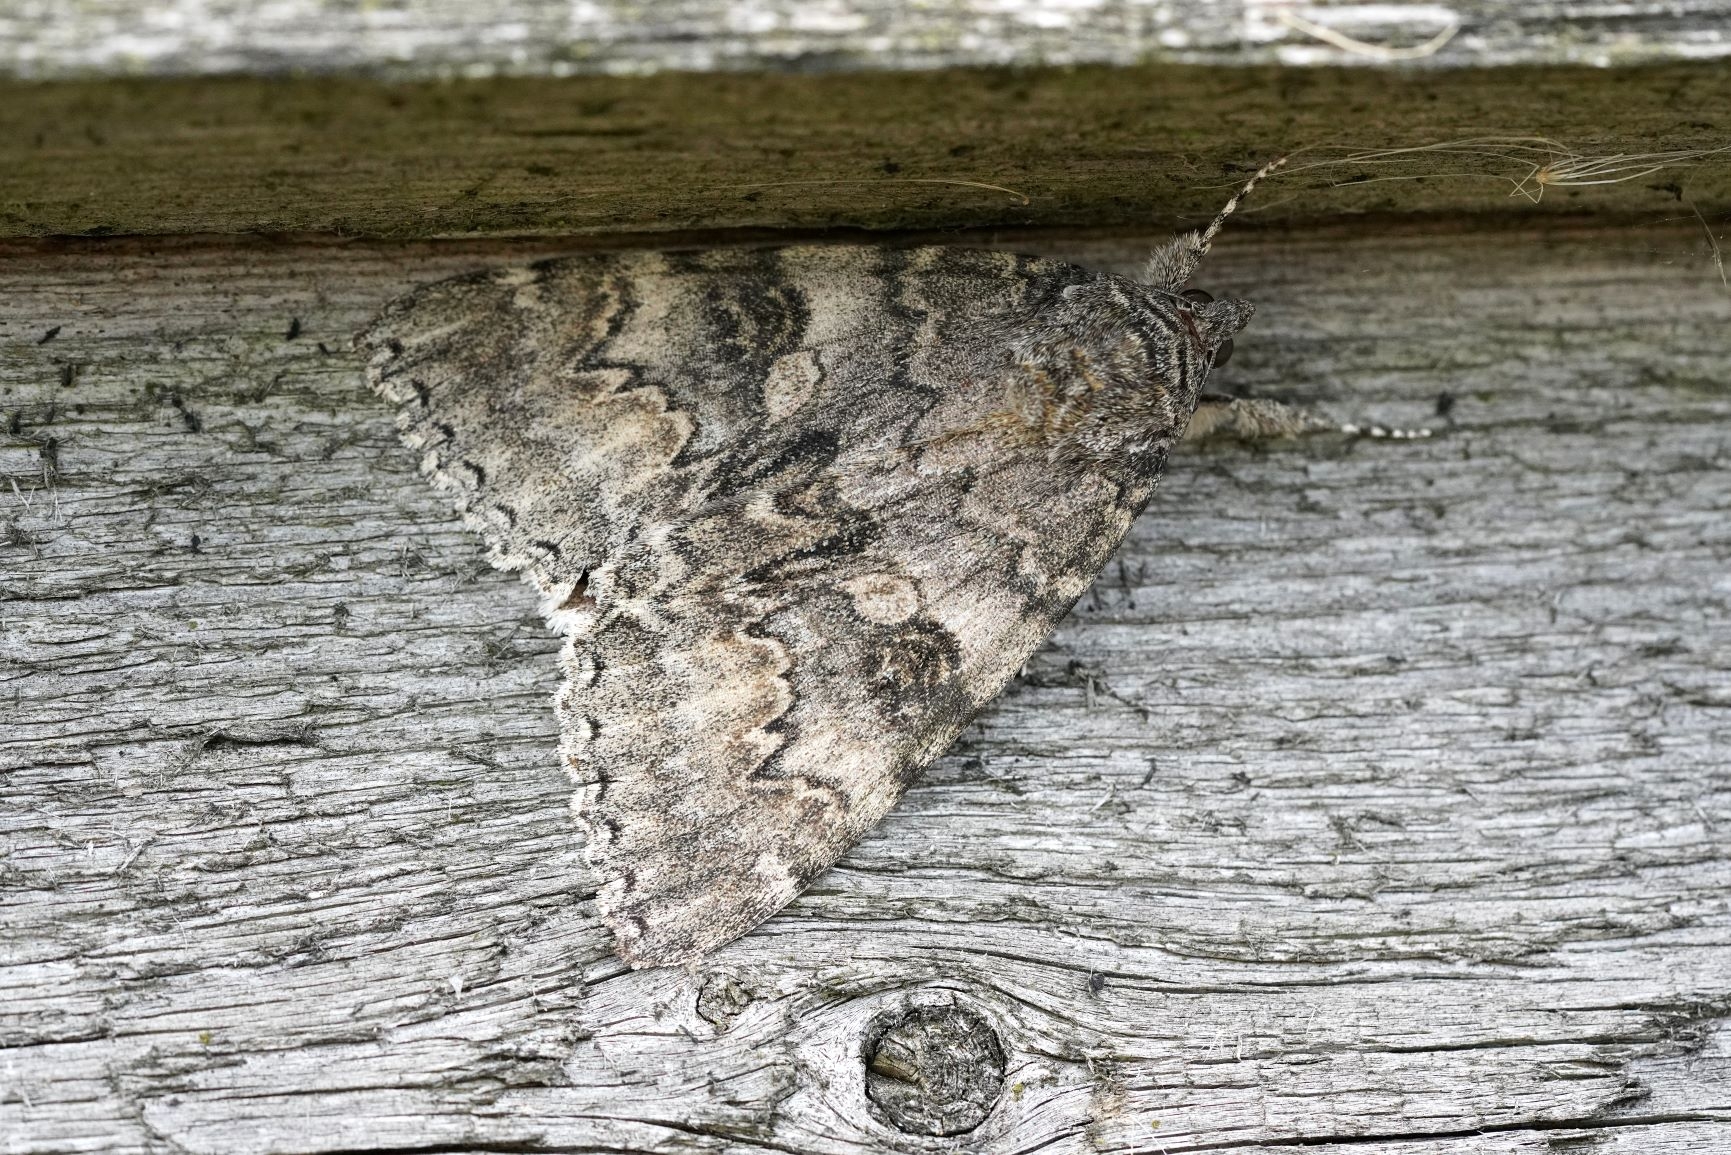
x,y
1173,263
1213,229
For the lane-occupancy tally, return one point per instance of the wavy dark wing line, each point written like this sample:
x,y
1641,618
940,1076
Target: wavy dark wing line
x,y
785,505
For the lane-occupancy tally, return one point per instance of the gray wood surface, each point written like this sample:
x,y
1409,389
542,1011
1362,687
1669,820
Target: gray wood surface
x,y
1376,799
556,37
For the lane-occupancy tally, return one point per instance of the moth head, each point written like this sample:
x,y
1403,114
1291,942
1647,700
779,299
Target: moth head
x,y
1213,323
1112,370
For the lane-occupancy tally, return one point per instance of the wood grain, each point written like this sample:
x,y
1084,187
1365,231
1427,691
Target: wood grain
x,y
541,37
1375,800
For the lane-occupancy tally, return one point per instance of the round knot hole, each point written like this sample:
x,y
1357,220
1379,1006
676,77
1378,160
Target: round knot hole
x,y
934,1070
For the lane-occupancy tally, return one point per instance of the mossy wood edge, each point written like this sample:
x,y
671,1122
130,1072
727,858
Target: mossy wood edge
x,y
1153,146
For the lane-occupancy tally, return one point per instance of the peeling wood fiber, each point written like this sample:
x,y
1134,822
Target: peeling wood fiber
x,y
1375,800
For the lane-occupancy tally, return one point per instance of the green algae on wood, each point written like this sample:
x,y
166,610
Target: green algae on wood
x,y
1157,145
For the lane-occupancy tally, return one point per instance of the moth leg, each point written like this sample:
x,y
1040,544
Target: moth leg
x,y
1221,418
1173,263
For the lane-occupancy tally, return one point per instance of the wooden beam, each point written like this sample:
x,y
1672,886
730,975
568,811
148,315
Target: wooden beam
x,y
1374,800
556,37
1151,146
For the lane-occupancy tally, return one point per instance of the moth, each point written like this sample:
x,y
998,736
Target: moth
x,y
800,513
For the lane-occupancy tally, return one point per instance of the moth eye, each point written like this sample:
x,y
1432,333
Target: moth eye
x,y
1197,295
1223,354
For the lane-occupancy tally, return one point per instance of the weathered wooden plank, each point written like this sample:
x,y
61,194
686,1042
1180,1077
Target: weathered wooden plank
x,y
555,37
1376,798
1145,147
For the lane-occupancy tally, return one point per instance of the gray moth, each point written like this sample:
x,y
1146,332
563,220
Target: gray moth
x,y
800,513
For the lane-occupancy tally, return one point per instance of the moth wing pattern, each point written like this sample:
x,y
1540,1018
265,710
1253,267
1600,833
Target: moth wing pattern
x,y
801,512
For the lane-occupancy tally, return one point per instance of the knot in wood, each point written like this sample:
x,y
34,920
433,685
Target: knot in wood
x,y
934,1070
721,1000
